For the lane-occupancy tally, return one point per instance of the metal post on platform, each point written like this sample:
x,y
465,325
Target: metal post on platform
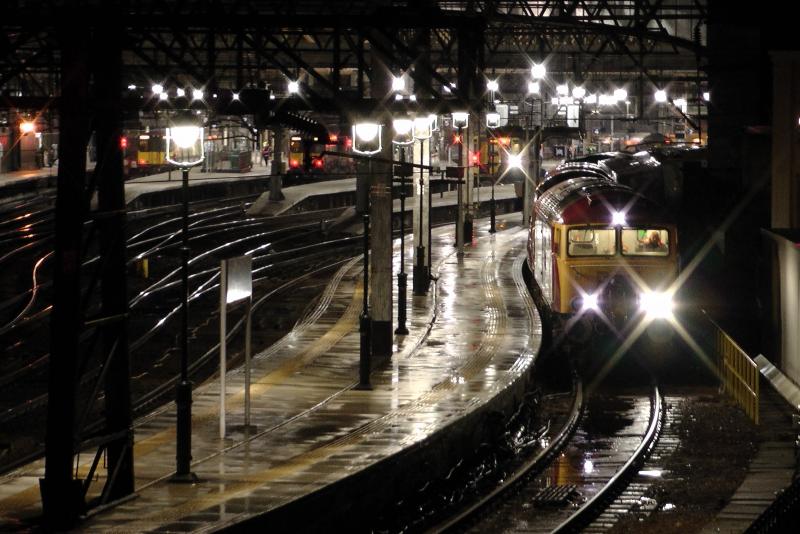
x,y
402,277
365,321
460,121
183,441
421,277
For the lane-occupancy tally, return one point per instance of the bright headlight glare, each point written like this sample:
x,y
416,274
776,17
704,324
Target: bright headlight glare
x,y
656,304
590,302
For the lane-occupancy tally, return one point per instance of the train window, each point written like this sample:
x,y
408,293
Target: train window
x,y
645,242
592,242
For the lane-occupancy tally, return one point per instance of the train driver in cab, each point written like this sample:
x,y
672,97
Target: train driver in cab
x,y
652,241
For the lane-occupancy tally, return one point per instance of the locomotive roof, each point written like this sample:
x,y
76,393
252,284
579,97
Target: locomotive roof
x,y
573,169
592,199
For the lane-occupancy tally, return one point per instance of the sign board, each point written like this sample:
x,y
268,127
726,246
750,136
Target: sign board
x,y
239,279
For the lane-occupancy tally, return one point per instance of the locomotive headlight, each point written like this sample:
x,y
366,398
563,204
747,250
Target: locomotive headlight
x,y
590,302
656,304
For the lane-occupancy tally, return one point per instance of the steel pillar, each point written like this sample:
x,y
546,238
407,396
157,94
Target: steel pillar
x,y
381,248
62,495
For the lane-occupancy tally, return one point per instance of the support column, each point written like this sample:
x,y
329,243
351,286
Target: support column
x,y
532,179
785,140
111,204
460,203
62,496
381,250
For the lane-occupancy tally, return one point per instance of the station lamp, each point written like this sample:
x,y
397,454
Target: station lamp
x,y
157,88
367,138
562,90
434,122
492,119
460,119
707,96
533,88
620,95
578,92
184,148
422,128
492,86
661,95
293,87
197,94
403,131
163,96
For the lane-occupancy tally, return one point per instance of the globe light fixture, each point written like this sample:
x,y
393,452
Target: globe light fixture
x,y
422,128
293,87
403,131
661,95
367,138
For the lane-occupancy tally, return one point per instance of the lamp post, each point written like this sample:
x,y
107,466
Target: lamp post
x,y
366,140
402,128
184,149
422,276
460,121
492,122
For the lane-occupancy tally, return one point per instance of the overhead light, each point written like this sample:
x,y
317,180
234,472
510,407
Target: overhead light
x,y
492,85
235,96
707,96
578,92
515,161
157,88
423,128
618,218
538,71
620,95
562,89
398,97
163,96
197,94
180,92
533,87
131,87
591,99
294,87
398,83
661,95
492,119
412,97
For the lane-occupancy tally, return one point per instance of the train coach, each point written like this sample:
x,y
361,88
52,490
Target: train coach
x,y
604,259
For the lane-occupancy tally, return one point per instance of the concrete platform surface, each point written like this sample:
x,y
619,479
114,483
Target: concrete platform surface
x,y
323,450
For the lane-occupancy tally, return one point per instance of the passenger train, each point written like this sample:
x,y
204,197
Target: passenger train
x,y
603,258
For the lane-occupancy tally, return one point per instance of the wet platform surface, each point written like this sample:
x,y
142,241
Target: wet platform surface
x,y
473,339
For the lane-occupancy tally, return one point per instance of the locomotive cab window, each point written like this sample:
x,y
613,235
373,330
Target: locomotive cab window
x,y
592,242
645,242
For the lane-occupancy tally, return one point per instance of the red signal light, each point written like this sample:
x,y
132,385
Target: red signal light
x,y
293,163
456,139
123,142
475,158
317,163
333,138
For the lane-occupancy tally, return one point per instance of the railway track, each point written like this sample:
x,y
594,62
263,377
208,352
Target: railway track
x,y
543,492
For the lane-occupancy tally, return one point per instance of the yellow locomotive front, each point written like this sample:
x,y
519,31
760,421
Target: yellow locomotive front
x,y
604,258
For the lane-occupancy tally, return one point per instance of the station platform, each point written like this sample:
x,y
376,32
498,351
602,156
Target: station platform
x,y
323,453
